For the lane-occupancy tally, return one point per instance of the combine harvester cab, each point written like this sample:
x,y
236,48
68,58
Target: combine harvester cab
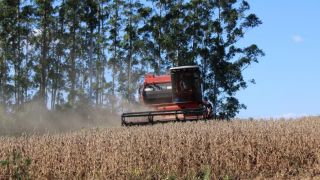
x,y
176,97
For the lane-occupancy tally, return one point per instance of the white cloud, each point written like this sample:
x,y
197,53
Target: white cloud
x,y
293,116
281,116
288,115
297,39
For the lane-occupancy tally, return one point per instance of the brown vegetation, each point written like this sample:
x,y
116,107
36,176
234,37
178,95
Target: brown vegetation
x,y
225,150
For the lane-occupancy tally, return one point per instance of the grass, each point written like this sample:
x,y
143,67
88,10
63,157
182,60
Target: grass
x,y
204,150
15,167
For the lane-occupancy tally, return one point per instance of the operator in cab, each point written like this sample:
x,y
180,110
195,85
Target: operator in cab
x,y
208,107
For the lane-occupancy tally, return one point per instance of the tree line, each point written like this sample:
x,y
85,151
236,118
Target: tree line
x,y
66,53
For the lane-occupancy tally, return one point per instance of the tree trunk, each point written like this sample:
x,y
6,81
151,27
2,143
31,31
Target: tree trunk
x,y
159,41
3,81
116,59
73,62
43,63
130,55
90,64
215,98
98,70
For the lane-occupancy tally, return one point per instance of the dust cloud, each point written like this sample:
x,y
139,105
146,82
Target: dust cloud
x,y
133,106
34,119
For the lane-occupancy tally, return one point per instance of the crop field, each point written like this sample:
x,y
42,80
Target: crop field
x,y
196,150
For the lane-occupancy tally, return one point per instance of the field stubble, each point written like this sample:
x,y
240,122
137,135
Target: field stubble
x,y
219,149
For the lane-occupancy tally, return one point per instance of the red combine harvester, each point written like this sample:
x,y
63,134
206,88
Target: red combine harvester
x,y
172,98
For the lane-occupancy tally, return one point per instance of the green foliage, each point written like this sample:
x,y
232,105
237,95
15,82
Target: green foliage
x,y
171,177
227,177
96,52
16,166
207,174
227,61
4,163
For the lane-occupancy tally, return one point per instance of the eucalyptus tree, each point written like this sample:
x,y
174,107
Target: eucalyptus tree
x,y
72,15
131,45
115,29
15,29
153,34
5,24
44,14
166,29
227,59
176,40
8,17
198,14
91,21
57,69
25,78
101,85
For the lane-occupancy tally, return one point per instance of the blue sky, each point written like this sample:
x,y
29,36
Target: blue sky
x,y
288,77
